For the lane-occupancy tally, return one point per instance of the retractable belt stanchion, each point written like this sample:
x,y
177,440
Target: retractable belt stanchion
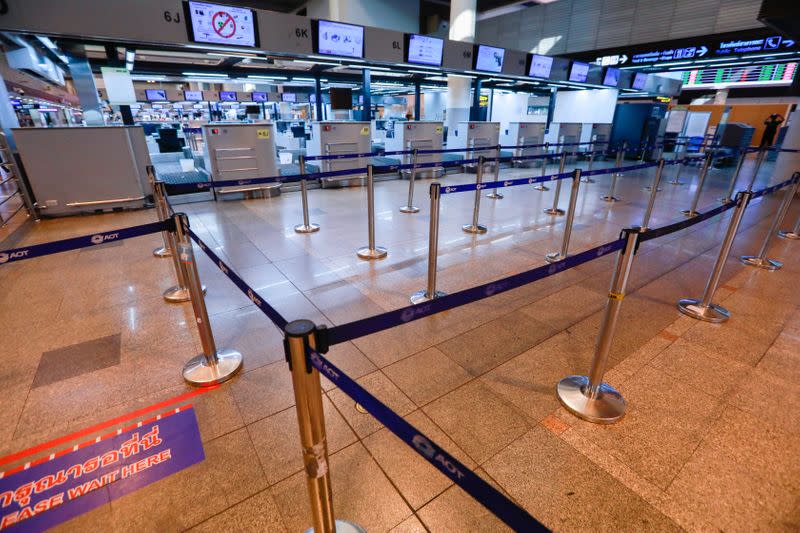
x,y
759,160
433,250
180,292
495,193
704,309
162,211
692,211
371,251
615,175
301,336
475,227
679,156
761,260
653,191
552,257
306,226
545,159
554,210
794,234
212,366
410,207
587,396
587,179
728,198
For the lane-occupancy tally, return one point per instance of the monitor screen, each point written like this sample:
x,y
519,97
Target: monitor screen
x,y
220,24
228,96
193,96
611,78
288,97
424,50
639,81
540,66
258,97
625,79
560,69
337,39
489,58
579,72
155,95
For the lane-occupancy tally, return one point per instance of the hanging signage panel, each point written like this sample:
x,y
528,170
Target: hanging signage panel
x,y
514,62
384,45
284,33
457,55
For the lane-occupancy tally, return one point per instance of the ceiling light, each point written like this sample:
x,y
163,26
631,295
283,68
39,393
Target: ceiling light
x,y
212,75
130,55
672,64
265,77
717,60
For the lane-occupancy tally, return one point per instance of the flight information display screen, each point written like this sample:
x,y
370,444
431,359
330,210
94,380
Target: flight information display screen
x,y
337,39
540,66
611,78
639,81
155,95
193,96
288,97
579,72
220,24
741,76
489,58
228,96
258,96
424,50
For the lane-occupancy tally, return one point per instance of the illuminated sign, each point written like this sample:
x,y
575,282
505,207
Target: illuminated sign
x,y
740,76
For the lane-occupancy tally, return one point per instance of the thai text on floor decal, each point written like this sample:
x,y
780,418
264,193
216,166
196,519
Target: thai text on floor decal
x,y
38,496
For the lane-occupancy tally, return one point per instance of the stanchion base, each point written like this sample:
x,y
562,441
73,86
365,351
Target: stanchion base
x,y
423,296
302,228
551,211
694,308
495,196
689,213
409,209
766,263
372,253
343,526
675,182
607,198
198,372
587,180
608,407
541,187
554,257
650,188
789,235
162,252
469,228
176,294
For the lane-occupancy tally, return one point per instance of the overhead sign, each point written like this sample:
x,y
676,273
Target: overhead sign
x,y
119,85
92,474
218,24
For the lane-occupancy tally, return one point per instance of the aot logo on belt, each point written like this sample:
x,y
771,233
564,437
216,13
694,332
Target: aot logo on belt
x,y
426,448
100,238
6,257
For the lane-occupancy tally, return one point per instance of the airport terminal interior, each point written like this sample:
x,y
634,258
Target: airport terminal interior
x,y
399,265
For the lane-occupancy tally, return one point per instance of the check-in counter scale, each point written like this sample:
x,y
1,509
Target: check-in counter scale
x,y
475,135
422,135
338,138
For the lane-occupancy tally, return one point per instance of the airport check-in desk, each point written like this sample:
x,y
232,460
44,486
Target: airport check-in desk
x,y
422,135
475,134
85,169
524,133
340,137
241,152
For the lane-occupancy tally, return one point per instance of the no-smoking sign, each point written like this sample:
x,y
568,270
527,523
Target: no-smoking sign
x,y
223,24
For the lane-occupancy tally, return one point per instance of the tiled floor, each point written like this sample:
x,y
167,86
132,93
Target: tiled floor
x,y
710,440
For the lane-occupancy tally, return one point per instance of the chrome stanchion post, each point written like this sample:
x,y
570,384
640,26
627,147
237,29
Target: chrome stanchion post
x,y
704,309
430,292
371,251
728,198
545,159
306,226
653,191
300,338
679,165
587,396
554,210
410,207
475,227
495,194
792,235
759,160
212,366
761,260
180,292
552,257
587,179
692,211
614,176
162,211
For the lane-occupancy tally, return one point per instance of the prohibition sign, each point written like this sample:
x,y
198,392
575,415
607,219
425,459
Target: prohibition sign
x,y
223,24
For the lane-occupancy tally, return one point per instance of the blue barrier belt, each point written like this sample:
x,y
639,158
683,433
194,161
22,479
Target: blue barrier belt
x,y
772,189
683,224
248,291
450,189
341,156
86,241
390,319
514,516
601,171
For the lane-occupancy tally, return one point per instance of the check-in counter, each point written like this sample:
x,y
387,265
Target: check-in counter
x,y
420,134
337,138
521,134
475,135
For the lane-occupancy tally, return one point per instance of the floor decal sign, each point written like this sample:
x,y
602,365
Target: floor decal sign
x,y
64,485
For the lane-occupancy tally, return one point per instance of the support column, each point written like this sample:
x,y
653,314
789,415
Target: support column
x,y
82,78
475,109
114,61
417,103
318,96
462,28
366,108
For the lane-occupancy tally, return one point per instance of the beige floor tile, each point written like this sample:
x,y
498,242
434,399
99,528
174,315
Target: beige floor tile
x,y
425,376
455,510
258,513
766,396
409,525
263,391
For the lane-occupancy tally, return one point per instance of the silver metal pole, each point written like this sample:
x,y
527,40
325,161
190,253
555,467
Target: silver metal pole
x,y
653,191
495,193
371,252
306,226
433,250
729,195
761,260
410,207
587,179
554,210
692,211
614,176
587,396
552,257
162,211
475,227
212,366
180,292
759,160
704,309
542,186
679,156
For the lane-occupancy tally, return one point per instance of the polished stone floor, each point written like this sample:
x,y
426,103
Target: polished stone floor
x,y
710,441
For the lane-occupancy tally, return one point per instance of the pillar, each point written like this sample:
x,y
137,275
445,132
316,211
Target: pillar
x,y
366,108
83,79
462,28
